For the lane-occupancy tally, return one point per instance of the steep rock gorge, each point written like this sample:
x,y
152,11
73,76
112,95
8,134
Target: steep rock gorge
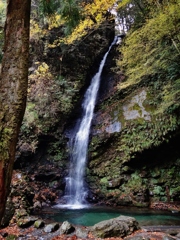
x,y
134,157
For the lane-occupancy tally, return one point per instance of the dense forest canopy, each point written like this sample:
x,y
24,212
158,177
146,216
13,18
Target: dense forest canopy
x,y
78,17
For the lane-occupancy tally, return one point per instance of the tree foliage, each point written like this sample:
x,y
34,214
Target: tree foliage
x,y
91,15
69,11
154,48
2,21
2,13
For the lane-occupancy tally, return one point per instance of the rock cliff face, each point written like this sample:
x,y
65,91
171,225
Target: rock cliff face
x,y
134,155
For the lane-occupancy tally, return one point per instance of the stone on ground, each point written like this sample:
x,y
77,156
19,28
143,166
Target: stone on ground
x,y
117,227
51,227
66,228
39,223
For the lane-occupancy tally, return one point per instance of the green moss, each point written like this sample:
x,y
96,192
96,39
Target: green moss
x,y
104,181
155,173
134,183
175,191
31,116
153,181
11,237
136,107
158,190
163,199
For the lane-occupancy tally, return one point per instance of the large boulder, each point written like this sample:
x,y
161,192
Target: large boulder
x,y
82,232
26,221
66,228
116,227
52,227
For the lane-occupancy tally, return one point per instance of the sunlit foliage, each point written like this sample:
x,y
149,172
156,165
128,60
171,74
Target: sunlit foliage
x,y
49,98
2,21
153,51
36,31
2,12
156,40
93,14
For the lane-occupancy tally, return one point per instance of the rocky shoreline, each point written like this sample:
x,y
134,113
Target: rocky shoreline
x,y
122,227
27,197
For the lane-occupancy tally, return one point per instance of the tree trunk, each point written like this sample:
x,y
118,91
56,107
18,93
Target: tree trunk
x,y
13,88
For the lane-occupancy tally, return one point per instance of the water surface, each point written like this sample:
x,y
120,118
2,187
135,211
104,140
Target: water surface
x,y
92,215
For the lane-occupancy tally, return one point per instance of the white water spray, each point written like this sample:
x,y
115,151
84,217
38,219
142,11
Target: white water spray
x,y
76,190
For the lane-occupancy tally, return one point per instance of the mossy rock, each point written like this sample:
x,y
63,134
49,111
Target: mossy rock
x,y
26,221
11,237
39,223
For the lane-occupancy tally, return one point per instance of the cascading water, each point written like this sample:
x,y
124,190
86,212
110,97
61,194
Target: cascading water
x,y
76,191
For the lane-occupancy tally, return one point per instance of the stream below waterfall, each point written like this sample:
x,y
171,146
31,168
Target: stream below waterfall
x,y
92,215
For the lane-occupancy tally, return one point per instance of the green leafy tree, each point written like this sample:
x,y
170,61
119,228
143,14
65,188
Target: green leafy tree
x,y
70,11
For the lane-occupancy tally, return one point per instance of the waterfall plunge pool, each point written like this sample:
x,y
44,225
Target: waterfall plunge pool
x,y
91,215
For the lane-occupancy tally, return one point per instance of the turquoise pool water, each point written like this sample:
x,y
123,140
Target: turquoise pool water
x,y
92,215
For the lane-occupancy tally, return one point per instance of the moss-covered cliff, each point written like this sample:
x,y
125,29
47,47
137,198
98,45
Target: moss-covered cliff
x,y
134,151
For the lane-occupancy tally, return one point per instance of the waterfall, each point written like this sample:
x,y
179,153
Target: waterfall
x,y
76,190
